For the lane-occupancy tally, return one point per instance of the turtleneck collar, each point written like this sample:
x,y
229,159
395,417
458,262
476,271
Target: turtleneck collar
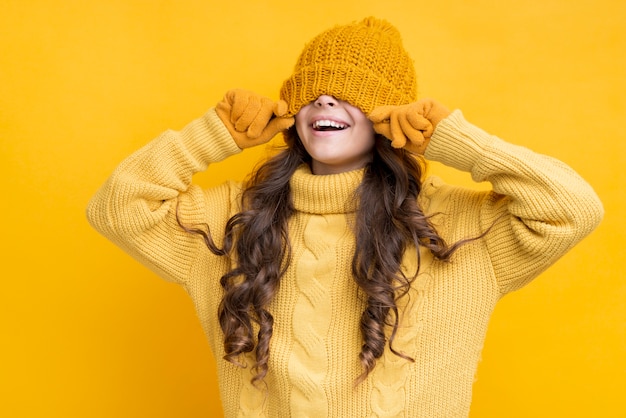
x,y
325,194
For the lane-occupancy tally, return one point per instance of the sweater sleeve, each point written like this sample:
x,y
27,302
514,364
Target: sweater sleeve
x,y
538,208
136,207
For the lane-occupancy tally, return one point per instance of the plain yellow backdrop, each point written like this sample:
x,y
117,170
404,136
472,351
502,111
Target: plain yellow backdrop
x,y
88,332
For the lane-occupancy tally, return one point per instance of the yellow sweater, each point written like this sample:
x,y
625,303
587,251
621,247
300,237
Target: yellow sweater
x,y
314,350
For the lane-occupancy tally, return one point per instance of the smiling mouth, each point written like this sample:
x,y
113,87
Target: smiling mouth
x,y
328,125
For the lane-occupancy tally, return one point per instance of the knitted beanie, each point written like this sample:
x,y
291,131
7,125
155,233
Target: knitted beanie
x,y
362,63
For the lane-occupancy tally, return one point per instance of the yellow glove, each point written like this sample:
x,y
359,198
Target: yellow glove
x,y
252,119
411,125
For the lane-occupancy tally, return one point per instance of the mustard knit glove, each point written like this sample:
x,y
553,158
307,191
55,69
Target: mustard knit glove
x,y
252,119
411,125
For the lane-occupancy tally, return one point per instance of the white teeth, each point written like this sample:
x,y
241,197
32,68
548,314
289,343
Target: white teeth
x,y
325,123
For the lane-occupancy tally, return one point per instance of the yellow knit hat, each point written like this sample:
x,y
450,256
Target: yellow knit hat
x,y
362,63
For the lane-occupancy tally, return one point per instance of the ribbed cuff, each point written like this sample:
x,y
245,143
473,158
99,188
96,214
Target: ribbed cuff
x,y
208,139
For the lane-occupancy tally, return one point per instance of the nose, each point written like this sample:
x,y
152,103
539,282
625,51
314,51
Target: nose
x,y
326,101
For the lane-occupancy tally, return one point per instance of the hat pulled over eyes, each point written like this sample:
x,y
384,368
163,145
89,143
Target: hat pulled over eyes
x,y
362,63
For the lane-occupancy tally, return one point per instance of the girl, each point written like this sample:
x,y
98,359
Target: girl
x,y
336,281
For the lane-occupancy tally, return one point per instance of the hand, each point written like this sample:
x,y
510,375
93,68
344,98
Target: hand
x,y
411,125
252,119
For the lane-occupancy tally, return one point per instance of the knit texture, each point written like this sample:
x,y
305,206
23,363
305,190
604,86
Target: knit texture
x,y
362,63
543,207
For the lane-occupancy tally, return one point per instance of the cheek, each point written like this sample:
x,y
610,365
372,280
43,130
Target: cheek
x,y
368,137
300,125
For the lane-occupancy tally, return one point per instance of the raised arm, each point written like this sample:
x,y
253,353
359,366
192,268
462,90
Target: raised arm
x,y
136,207
541,207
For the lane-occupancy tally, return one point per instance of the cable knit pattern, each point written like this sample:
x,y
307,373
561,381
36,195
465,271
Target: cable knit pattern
x,y
251,401
390,377
322,236
311,318
542,208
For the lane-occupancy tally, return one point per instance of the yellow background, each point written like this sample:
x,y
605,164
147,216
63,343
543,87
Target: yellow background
x,y
88,332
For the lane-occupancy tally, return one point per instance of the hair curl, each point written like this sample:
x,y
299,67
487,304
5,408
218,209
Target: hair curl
x,y
388,220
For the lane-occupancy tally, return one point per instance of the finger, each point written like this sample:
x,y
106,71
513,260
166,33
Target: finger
x,y
237,101
383,128
281,108
426,106
398,139
414,135
419,122
434,111
416,118
246,109
262,118
238,104
282,124
275,126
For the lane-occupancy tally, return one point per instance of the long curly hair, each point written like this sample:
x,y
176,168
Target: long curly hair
x,y
388,222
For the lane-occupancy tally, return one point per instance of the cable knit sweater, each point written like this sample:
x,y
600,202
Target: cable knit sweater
x,y
546,207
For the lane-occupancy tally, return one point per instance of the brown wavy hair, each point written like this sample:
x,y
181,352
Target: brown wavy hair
x,y
388,222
